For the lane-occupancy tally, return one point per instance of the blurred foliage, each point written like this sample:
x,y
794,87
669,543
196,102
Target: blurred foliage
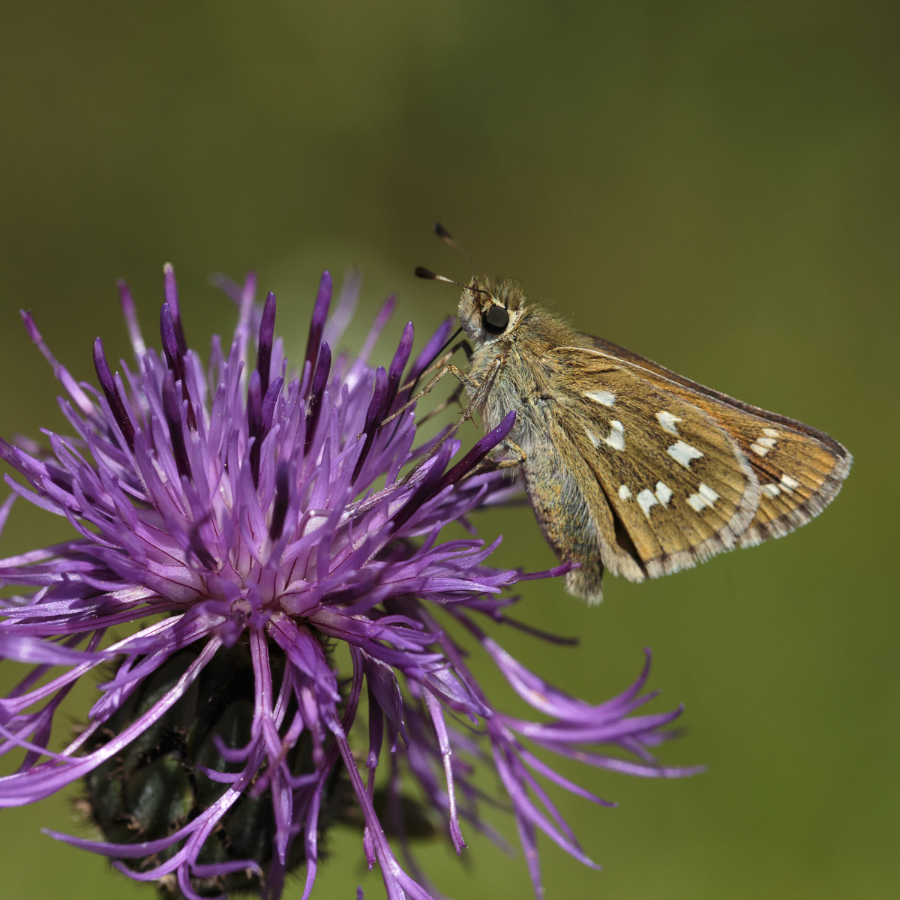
x,y
713,185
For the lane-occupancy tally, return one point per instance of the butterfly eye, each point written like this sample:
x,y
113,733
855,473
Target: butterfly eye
x,y
495,320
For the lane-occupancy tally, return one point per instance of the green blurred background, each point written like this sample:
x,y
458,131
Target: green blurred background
x,y
713,185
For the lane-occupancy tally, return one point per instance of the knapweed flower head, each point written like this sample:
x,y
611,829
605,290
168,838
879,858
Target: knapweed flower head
x,y
241,532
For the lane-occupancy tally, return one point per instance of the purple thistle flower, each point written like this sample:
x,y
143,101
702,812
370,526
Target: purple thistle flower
x,y
236,523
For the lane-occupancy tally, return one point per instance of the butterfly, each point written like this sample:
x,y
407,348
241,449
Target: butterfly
x,y
630,467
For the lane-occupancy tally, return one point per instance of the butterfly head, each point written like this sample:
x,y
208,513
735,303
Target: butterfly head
x,y
489,310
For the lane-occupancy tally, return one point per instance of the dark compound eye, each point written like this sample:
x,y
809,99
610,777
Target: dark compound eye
x,y
495,320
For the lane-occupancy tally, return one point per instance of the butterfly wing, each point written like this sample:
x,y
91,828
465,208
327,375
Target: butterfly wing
x,y
667,473
800,469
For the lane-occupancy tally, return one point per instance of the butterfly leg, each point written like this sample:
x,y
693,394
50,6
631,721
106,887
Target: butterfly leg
x,y
477,391
520,457
453,398
439,363
425,391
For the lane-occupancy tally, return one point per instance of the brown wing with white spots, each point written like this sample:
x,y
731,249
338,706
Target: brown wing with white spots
x,y
800,469
664,492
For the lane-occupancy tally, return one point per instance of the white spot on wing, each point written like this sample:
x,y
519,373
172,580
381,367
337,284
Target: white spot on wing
x,y
771,490
624,492
761,446
646,499
667,420
663,493
683,453
788,483
616,438
704,497
606,398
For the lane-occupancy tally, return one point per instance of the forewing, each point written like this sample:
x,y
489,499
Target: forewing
x,y
672,485
800,469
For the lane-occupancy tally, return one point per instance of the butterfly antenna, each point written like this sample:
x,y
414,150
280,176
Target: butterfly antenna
x,y
428,275
448,238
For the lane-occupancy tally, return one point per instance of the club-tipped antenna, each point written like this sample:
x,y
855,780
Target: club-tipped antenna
x,y
448,238
428,275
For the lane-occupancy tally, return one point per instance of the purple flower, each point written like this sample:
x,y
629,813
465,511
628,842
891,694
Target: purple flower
x,y
237,526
